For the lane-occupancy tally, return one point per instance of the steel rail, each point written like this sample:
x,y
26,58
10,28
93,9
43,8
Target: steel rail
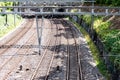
x,y
17,38
68,62
53,54
36,70
80,76
68,57
19,59
78,55
13,56
42,58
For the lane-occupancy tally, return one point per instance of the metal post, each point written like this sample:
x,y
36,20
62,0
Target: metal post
x,y
41,30
92,25
20,9
38,34
92,22
42,24
14,20
14,14
6,20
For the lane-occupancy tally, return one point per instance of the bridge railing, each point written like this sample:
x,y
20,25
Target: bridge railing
x,y
67,10
48,1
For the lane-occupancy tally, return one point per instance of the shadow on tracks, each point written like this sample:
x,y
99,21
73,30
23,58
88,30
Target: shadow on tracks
x,y
61,51
61,54
40,16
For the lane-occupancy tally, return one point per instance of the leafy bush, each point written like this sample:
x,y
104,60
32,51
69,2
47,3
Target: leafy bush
x,y
110,37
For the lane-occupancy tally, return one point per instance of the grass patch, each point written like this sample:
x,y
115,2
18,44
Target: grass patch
x,y
4,29
100,63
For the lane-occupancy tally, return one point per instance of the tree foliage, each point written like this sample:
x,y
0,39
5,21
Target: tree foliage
x,y
6,3
109,2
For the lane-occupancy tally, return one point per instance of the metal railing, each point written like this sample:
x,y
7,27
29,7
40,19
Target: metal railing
x,y
67,10
48,1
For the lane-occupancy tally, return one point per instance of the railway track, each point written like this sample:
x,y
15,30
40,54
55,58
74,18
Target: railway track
x,y
18,60
29,63
44,66
13,59
73,71
27,51
42,58
10,55
74,32
54,67
17,37
59,55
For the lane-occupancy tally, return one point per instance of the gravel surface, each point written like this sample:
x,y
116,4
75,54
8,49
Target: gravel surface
x,y
89,69
24,63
